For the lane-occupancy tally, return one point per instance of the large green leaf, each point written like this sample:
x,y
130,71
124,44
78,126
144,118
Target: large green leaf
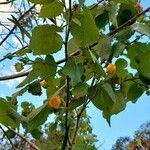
x,y
105,97
86,33
143,60
142,28
103,48
118,49
134,92
124,34
5,115
101,20
45,40
116,108
43,68
121,63
35,88
74,70
72,46
135,51
80,90
52,10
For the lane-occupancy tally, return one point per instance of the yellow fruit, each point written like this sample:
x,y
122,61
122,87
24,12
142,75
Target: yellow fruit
x,y
111,68
54,102
43,84
138,6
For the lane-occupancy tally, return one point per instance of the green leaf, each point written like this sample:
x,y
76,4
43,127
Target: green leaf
x,y
81,89
135,51
35,88
142,28
87,33
134,92
52,10
50,90
22,52
113,10
101,20
37,117
118,49
5,116
74,103
143,65
45,40
121,63
124,34
37,133
116,108
43,68
104,98
41,1
103,48
74,70
72,46
19,67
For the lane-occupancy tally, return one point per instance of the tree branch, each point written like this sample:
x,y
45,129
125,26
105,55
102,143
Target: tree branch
x,y
66,136
14,27
24,139
22,74
97,4
7,2
127,23
5,133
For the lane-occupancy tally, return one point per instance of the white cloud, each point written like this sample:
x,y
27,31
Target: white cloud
x,y
12,82
5,13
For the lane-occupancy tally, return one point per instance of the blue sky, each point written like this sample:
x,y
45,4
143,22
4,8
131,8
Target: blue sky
x,y
123,124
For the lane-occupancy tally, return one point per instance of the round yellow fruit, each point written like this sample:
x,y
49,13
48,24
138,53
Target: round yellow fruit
x,y
43,84
54,102
138,6
111,68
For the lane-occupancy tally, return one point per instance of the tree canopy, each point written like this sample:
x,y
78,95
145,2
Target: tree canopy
x,y
75,54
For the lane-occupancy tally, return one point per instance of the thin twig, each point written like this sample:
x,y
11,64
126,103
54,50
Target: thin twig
x,y
14,27
7,2
97,4
5,133
24,139
22,74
